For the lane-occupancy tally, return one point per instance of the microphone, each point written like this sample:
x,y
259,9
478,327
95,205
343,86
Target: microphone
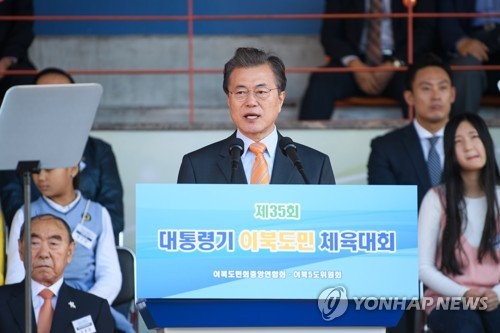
x,y
289,149
235,149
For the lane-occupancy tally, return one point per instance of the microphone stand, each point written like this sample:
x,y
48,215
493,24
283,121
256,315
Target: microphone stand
x,y
235,150
26,168
234,167
299,167
289,149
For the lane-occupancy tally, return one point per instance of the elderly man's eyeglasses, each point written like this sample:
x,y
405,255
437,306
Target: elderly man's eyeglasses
x,y
261,93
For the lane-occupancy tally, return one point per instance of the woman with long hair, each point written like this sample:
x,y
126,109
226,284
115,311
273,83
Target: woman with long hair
x,y
459,233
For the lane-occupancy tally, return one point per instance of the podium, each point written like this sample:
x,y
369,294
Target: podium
x,y
276,330
294,258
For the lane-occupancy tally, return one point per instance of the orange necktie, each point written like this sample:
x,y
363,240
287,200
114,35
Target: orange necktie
x,y
46,312
260,172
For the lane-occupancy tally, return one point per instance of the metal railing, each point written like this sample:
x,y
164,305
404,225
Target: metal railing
x,y
190,18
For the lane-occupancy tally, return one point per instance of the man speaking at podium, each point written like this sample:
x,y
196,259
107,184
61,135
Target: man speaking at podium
x,y
256,153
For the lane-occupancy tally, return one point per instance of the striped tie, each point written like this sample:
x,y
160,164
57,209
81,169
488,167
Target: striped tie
x,y
373,49
260,172
46,312
433,162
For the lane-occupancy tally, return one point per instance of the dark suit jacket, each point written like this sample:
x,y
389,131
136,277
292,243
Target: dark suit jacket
x,y
99,182
16,36
453,28
341,37
397,159
212,165
12,310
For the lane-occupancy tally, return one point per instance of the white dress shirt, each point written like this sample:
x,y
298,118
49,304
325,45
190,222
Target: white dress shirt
x,y
424,136
38,300
487,7
247,158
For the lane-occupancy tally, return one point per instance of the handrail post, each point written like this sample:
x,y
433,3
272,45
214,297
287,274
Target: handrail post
x,y
410,4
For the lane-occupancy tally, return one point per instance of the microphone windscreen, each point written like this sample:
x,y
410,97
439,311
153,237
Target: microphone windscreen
x,y
238,144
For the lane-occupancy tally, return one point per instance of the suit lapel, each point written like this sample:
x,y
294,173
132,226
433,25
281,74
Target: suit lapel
x,y
354,27
224,163
62,317
283,169
413,148
17,307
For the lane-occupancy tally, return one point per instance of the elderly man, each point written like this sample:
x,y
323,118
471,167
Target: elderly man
x,y
254,82
56,306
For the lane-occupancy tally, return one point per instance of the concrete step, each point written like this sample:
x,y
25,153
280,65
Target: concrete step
x,y
218,118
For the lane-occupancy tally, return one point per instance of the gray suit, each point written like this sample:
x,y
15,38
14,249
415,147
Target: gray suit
x,y
212,165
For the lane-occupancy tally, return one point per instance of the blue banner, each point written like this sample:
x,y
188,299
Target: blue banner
x,y
279,242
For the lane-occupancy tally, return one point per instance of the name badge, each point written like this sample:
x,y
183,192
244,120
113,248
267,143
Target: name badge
x,y
84,236
84,325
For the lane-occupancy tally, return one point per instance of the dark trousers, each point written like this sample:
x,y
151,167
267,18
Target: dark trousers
x,y
324,89
406,323
14,80
472,84
464,321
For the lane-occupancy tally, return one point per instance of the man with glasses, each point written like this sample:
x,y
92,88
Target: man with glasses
x,y
254,82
